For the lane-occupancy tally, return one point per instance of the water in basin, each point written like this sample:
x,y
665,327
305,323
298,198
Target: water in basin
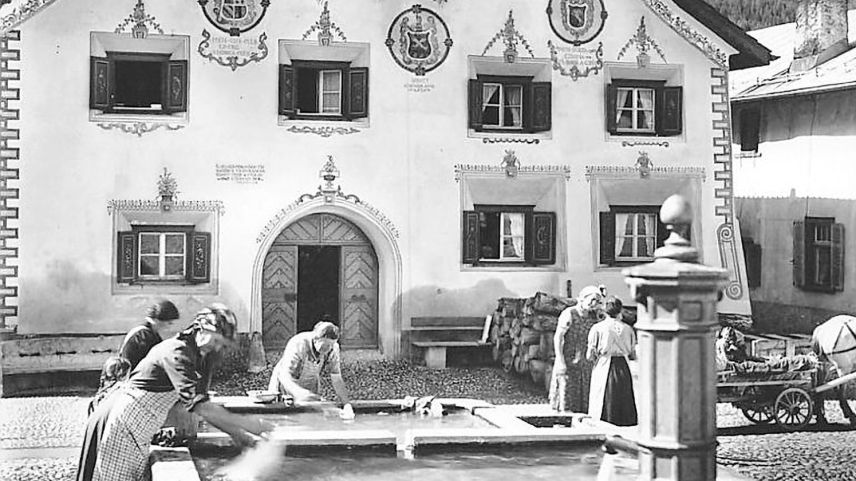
x,y
487,464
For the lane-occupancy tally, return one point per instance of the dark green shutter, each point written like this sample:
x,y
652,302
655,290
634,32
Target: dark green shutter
x,y
542,237
668,107
100,83
358,101
475,101
175,87
470,237
199,257
837,261
611,108
607,238
541,102
799,253
287,90
126,257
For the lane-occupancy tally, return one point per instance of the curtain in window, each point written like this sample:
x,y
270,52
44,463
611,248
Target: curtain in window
x,y
624,244
646,115
623,96
512,232
513,101
645,241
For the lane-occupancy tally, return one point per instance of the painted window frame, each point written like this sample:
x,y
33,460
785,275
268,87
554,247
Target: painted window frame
x,y
531,230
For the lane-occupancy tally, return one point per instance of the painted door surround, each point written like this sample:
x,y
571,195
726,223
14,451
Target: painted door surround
x,y
383,237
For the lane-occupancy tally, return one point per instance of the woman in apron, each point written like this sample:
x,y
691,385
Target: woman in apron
x,y
569,385
177,369
610,343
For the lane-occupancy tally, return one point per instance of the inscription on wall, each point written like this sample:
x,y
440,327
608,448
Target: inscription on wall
x,y
419,84
241,173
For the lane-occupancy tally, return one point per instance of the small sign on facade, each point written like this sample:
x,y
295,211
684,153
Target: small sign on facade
x,y
241,173
233,52
576,62
419,85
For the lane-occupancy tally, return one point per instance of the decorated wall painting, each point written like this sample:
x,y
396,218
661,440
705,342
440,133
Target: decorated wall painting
x,y
233,17
576,22
418,40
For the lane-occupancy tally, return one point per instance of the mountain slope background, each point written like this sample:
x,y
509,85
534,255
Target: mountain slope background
x,y
755,14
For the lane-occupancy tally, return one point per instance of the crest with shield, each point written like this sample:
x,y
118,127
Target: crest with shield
x,y
576,21
418,44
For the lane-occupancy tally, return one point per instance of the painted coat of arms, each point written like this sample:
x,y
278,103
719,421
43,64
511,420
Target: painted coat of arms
x,y
418,40
576,21
234,16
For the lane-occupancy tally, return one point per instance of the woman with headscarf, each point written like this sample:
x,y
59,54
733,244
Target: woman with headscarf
x,y
611,343
569,385
120,430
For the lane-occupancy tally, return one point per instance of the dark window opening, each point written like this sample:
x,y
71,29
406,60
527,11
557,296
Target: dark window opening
x,y
138,84
750,128
819,254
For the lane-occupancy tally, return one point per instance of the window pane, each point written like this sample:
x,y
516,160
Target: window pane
x,y
330,103
513,224
149,243
646,99
513,117
624,247
625,119
490,116
175,243
512,248
149,265
331,81
513,95
175,266
625,99
491,94
489,234
645,120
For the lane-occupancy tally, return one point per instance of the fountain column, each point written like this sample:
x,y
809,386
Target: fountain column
x,y
676,324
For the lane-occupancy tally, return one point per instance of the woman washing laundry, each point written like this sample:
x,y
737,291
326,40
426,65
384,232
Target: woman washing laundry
x,y
178,368
611,343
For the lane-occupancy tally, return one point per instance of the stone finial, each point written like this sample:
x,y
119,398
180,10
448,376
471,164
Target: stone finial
x,y
676,213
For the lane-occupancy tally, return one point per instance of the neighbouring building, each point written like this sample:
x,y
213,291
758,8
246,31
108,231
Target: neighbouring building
x,y
370,161
794,124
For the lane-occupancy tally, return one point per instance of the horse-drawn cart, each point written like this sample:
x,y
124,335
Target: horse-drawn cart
x,y
789,398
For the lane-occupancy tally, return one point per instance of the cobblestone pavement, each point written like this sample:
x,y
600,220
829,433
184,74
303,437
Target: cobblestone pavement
x,y
40,436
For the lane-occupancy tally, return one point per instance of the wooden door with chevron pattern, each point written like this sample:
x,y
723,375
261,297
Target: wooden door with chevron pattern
x,y
359,297
279,296
357,275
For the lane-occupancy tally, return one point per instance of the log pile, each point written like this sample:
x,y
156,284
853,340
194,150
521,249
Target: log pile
x,y
522,335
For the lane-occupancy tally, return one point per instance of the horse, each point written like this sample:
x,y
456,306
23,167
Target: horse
x,y
835,341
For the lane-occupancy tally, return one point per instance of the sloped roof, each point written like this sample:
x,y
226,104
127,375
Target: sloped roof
x,y
773,80
750,52
13,13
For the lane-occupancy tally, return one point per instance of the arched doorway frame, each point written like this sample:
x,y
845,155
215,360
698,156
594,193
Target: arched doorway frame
x,y
383,239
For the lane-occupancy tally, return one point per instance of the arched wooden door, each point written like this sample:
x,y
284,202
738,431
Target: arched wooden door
x,y
320,264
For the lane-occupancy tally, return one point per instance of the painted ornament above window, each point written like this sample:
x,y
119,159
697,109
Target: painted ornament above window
x,y
418,40
234,16
576,21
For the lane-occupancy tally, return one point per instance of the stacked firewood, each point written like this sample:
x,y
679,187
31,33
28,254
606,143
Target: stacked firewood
x,y
522,334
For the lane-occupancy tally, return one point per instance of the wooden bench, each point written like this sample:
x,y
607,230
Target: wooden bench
x,y
435,335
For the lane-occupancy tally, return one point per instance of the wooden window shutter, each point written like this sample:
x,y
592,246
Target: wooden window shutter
x,y
470,237
607,238
359,92
669,107
100,83
837,261
799,253
750,127
199,257
175,83
475,104
126,258
541,103
611,108
287,90
542,237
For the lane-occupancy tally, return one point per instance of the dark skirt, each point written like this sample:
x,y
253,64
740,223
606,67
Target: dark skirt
x,y
619,403
92,439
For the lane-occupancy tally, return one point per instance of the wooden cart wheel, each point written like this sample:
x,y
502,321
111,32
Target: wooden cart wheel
x,y
758,413
793,409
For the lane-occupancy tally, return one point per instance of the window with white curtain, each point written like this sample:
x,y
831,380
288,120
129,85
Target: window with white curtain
x,y
636,236
635,109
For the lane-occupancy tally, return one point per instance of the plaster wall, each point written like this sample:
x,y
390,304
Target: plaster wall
x,y
403,164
